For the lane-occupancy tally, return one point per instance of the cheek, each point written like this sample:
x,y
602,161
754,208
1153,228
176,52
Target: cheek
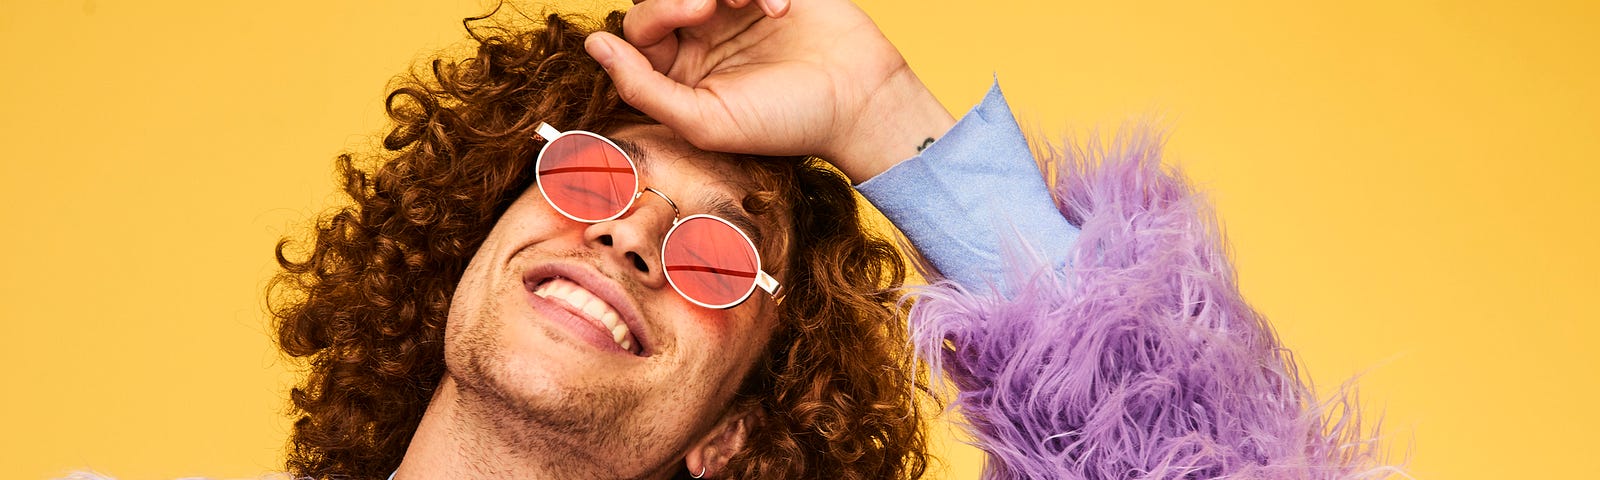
x,y
717,326
529,218
702,328
736,326
517,223
530,205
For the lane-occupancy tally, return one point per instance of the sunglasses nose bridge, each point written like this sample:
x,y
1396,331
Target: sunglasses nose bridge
x,y
633,242
675,212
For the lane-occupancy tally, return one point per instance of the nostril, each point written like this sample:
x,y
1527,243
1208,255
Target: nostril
x,y
638,262
605,240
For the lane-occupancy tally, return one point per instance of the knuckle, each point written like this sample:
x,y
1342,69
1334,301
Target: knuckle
x,y
627,90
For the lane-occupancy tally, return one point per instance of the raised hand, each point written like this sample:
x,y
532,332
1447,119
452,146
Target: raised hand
x,y
813,78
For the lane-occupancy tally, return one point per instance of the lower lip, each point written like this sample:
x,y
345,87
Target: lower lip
x,y
582,328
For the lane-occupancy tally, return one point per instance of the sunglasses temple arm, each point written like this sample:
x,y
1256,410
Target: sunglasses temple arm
x,y
548,132
766,282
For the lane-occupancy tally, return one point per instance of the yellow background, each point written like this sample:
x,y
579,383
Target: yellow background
x,y
1408,186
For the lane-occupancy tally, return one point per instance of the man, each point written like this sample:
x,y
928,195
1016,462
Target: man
x,y
462,321
453,318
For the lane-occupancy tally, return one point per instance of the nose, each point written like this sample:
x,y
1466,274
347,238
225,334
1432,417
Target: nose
x,y
633,240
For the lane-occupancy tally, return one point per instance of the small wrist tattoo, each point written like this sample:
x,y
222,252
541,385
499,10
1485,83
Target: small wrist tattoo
x,y
925,144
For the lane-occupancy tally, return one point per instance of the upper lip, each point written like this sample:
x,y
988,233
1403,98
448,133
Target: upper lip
x,y
601,286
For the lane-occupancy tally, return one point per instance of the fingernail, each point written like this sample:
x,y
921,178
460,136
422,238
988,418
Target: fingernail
x,y
775,8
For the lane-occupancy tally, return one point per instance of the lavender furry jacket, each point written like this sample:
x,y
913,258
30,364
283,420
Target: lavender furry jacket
x,y
1109,341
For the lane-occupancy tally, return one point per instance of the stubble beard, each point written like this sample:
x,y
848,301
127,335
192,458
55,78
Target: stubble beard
x,y
583,427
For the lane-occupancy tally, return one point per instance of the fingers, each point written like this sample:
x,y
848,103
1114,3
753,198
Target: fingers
x,y
772,8
650,27
662,98
650,22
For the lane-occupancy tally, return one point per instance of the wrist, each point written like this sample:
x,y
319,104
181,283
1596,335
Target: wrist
x,y
896,122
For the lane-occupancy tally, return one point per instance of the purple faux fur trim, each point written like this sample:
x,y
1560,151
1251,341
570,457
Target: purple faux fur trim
x,y
1141,360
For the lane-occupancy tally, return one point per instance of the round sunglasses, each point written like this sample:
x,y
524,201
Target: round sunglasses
x,y
707,259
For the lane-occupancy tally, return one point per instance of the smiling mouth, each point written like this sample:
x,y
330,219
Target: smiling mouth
x,y
583,303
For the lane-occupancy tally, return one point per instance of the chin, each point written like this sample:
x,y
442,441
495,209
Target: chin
x,y
542,390
528,367
543,394
510,360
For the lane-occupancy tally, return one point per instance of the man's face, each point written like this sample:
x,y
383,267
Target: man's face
x,y
527,327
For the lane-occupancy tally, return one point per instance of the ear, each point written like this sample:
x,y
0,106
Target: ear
x,y
711,453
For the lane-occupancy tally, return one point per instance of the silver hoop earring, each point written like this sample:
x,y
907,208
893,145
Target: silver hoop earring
x,y
702,472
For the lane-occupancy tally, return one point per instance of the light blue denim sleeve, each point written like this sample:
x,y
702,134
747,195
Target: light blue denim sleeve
x,y
972,193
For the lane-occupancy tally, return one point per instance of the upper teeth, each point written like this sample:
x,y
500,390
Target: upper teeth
x,y
592,306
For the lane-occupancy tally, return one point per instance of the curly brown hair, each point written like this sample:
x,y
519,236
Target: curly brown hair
x,y
363,302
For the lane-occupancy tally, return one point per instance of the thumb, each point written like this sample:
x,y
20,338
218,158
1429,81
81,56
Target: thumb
x,y
663,99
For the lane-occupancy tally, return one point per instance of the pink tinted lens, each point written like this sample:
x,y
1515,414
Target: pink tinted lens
x,y
710,262
586,177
